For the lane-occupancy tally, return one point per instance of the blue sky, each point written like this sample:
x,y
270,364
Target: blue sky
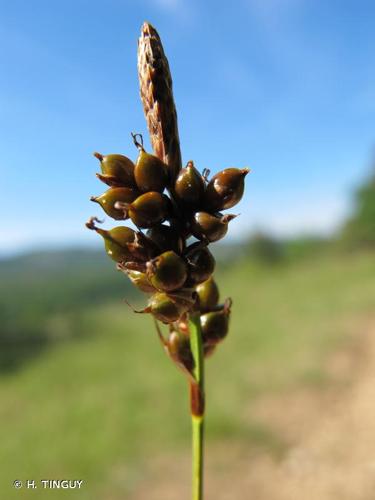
x,y
286,87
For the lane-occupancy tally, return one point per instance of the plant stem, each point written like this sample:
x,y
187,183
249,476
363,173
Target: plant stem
x,y
197,406
197,449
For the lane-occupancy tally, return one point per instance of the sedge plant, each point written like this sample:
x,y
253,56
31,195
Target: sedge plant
x,y
177,213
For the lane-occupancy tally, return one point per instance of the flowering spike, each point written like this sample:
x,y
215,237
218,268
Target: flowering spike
x,y
176,275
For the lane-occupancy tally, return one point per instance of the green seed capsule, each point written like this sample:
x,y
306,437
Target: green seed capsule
x,y
167,308
116,240
210,227
166,238
226,188
208,293
215,325
108,199
147,210
117,170
167,272
140,280
150,173
189,186
201,263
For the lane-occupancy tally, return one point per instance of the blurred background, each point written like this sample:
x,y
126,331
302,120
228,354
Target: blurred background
x,y
86,392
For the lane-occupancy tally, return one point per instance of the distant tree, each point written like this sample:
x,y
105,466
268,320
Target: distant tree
x,y
265,248
360,228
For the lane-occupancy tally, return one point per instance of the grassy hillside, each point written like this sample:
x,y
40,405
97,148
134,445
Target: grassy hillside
x,y
97,406
42,294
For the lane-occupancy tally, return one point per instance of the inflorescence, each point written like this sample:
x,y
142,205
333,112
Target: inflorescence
x,y
167,257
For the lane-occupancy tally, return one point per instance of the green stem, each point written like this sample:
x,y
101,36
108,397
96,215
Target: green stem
x,y
198,438
197,406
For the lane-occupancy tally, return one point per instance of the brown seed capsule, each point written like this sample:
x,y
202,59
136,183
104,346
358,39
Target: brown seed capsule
x,y
225,189
178,346
117,170
148,209
210,227
201,263
116,240
167,272
208,293
189,186
150,173
166,238
140,280
108,199
215,324
167,308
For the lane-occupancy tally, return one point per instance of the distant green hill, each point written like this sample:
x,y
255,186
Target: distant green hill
x,y
59,279
40,286
53,260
